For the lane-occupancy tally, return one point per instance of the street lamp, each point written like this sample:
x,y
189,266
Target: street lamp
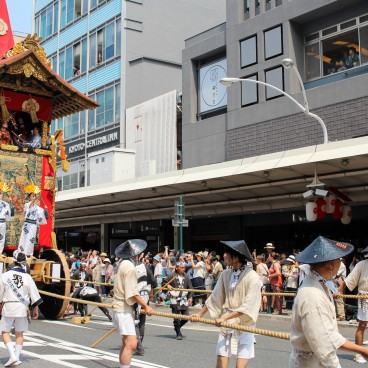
x,y
287,64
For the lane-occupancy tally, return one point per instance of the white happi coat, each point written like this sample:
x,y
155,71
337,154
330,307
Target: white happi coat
x,y
17,291
244,298
33,215
5,215
314,332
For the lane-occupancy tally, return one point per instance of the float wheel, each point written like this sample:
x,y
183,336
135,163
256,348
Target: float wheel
x,y
54,308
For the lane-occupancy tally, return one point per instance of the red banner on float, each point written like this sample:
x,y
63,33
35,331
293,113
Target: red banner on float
x,y
6,34
47,201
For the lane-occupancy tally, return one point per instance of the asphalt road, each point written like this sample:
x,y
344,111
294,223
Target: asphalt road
x,y
55,344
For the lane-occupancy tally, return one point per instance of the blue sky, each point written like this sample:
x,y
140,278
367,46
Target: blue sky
x,y
20,13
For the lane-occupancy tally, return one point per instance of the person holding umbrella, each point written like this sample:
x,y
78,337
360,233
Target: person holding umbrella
x,y
315,337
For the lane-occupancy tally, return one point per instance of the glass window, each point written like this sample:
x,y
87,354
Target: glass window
x,y
69,63
249,91
100,98
246,5
56,17
100,50
37,25
73,181
274,77
109,105
93,3
78,8
364,44
82,122
312,61
273,42
77,59
49,18
66,182
92,50
43,24
63,14
85,7
248,51
84,55
91,115
62,64
109,41
340,52
117,103
82,173
70,11
118,37
54,63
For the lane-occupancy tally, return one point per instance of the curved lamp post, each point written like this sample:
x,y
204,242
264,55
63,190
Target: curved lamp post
x,y
287,64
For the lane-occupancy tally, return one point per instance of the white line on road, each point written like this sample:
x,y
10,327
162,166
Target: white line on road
x,y
84,352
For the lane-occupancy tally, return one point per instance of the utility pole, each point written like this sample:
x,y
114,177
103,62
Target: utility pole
x,y
180,221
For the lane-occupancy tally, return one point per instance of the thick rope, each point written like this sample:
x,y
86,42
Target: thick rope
x,y
79,281
259,331
346,296
276,334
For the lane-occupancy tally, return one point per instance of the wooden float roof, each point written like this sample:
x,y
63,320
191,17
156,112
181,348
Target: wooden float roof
x,y
29,72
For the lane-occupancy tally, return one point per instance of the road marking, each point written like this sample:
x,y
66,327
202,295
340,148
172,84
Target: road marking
x,y
82,353
64,324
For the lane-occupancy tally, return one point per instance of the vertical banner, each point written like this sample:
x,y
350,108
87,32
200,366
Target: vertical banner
x,y
6,34
47,193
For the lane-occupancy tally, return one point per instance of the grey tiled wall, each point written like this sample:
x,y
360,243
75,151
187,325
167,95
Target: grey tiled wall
x,y
343,121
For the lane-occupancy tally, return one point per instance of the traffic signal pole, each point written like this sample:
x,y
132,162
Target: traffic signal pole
x,y
181,250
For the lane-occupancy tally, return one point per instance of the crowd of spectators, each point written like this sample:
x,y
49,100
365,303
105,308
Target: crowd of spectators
x,y
278,272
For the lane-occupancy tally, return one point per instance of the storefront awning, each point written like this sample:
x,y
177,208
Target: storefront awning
x,y
262,183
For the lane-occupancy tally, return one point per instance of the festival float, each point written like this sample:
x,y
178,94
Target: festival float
x,y
31,96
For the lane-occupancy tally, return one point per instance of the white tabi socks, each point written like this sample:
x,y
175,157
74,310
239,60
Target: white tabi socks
x,y
13,360
124,366
18,350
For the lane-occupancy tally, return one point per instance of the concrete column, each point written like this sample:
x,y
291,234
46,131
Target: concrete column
x,y
252,8
262,6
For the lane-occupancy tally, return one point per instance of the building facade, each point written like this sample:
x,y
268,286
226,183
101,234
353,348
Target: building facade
x,y
248,152
327,40
120,53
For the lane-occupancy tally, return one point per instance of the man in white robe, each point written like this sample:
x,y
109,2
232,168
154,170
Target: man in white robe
x,y
359,277
235,299
17,291
33,215
5,215
315,337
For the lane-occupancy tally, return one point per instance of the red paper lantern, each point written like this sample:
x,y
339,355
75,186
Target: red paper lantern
x,y
330,203
337,214
321,208
311,211
346,215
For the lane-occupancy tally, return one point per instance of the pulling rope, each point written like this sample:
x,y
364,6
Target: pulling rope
x,y
79,281
259,331
346,296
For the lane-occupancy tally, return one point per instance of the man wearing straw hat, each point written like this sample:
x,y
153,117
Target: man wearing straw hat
x,y
126,295
314,333
5,214
235,299
359,277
